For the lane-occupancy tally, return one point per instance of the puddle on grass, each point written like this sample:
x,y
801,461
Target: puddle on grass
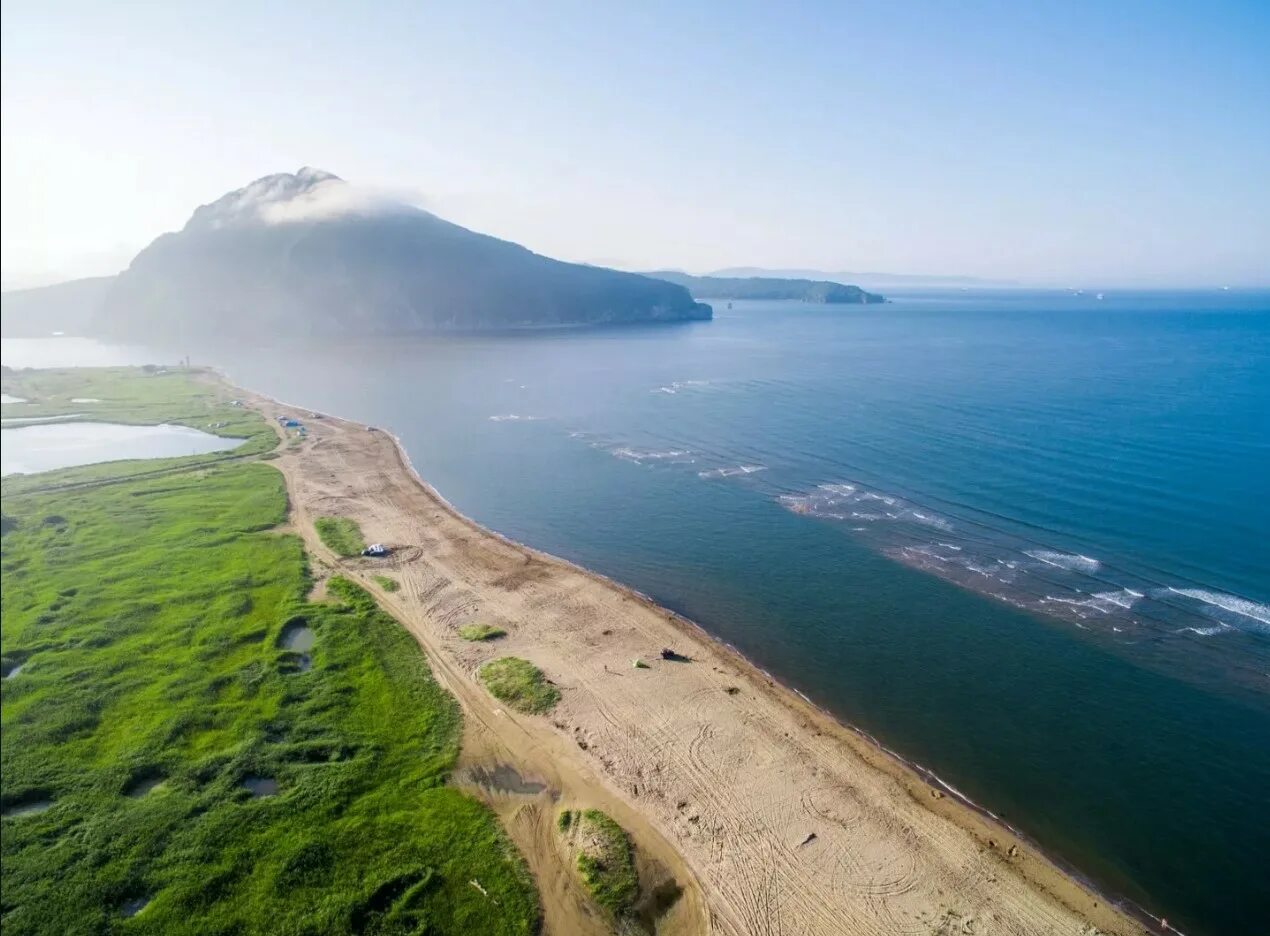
x,y
504,778
298,637
144,786
10,673
130,908
29,808
261,786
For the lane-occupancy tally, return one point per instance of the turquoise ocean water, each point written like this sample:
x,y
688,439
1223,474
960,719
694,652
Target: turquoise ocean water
x,y
1023,538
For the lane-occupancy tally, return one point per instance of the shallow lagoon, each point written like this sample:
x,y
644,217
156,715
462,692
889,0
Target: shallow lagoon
x,y
45,447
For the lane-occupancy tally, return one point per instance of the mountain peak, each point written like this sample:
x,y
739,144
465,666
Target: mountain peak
x,y
258,201
307,253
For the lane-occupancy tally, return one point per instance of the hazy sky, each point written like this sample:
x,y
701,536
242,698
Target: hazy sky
x,y
1084,143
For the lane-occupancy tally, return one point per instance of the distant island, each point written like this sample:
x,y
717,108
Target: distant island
x,y
871,280
307,254
762,287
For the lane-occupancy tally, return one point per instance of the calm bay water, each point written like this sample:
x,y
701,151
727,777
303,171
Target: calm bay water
x,y
1023,538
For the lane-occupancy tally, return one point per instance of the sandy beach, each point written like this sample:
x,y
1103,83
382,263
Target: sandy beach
x,y
763,813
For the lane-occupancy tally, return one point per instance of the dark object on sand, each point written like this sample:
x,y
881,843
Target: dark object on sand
x,y
668,654
377,550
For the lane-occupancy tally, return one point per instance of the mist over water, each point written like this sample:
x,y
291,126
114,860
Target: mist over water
x,y
1020,537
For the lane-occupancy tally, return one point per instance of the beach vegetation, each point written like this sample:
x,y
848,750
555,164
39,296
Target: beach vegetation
x,y
341,535
605,859
520,684
481,632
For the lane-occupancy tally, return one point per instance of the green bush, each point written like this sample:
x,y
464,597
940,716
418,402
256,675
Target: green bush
x,y
605,861
520,684
342,535
481,632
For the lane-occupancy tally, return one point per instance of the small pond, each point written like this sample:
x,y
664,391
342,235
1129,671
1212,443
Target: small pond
x,y
66,444
27,808
144,786
296,637
130,908
261,786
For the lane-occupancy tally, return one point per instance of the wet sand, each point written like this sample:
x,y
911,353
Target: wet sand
x,y
769,816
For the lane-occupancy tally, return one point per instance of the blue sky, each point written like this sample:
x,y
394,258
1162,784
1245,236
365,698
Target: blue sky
x,y
1074,144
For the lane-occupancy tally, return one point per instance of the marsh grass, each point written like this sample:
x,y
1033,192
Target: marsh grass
x,y
342,535
147,613
520,684
605,859
479,632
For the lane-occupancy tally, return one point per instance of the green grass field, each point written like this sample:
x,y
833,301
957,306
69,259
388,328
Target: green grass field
x,y
520,684
147,614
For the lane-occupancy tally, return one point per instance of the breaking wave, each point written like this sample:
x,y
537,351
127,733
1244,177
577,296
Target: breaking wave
x,y
1075,563
638,455
514,417
731,472
1249,614
978,554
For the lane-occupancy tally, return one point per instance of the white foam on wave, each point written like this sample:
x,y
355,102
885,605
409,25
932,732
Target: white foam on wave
x,y
1071,562
938,523
638,455
514,417
1125,598
731,472
676,385
834,501
1207,631
1108,602
1233,603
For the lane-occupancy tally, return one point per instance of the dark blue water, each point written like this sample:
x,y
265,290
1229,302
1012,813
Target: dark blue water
x,y
1023,538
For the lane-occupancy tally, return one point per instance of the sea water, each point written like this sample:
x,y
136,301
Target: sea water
x,y
1023,538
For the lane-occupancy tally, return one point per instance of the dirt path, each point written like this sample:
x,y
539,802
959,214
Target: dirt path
x,y
770,816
